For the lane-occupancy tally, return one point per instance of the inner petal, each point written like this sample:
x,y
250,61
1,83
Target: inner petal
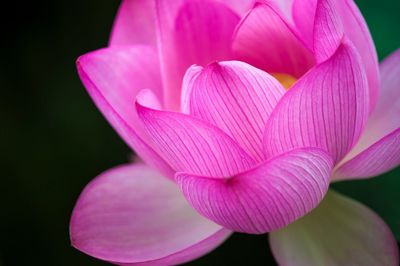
x,y
235,97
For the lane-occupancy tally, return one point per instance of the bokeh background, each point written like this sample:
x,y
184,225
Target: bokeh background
x,y
53,140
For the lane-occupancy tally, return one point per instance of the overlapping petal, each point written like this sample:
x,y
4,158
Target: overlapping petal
x,y
339,231
268,197
112,77
379,147
239,6
285,6
326,108
377,159
266,40
191,32
236,97
134,24
191,145
303,13
314,18
328,30
131,215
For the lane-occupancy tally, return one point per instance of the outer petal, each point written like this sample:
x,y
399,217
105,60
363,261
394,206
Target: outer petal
x,y
113,77
193,146
191,32
263,199
237,98
265,40
380,157
131,214
353,25
134,24
327,108
379,149
339,231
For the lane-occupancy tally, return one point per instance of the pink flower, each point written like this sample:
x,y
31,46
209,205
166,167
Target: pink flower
x,y
248,145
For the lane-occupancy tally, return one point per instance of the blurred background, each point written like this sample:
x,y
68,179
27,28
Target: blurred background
x,y
53,140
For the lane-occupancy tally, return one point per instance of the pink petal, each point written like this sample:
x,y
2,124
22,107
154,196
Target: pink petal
x,y
356,29
378,150
113,77
239,6
328,30
380,157
386,116
236,97
191,32
263,199
131,214
285,6
193,146
327,108
340,231
134,24
303,16
353,25
265,40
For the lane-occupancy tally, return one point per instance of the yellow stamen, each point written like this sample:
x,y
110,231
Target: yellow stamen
x,y
286,80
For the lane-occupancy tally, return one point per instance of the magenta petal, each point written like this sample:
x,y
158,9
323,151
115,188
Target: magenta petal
x,y
303,12
265,40
248,94
113,77
191,145
239,6
326,108
263,199
340,231
378,150
134,24
284,6
132,214
191,32
307,18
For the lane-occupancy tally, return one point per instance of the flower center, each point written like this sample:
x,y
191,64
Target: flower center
x,y
285,79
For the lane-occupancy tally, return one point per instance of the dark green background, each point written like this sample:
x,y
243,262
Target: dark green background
x,y
54,141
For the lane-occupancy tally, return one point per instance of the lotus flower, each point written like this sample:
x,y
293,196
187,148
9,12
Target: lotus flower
x,y
243,113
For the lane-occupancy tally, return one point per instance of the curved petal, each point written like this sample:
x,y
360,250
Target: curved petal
x,y
327,108
131,214
385,118
263,199
380,157
285,6
340,231
236,97
265,40
305,14
239,6
378,150
328,30
134,24
112,77
191,32
191,145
